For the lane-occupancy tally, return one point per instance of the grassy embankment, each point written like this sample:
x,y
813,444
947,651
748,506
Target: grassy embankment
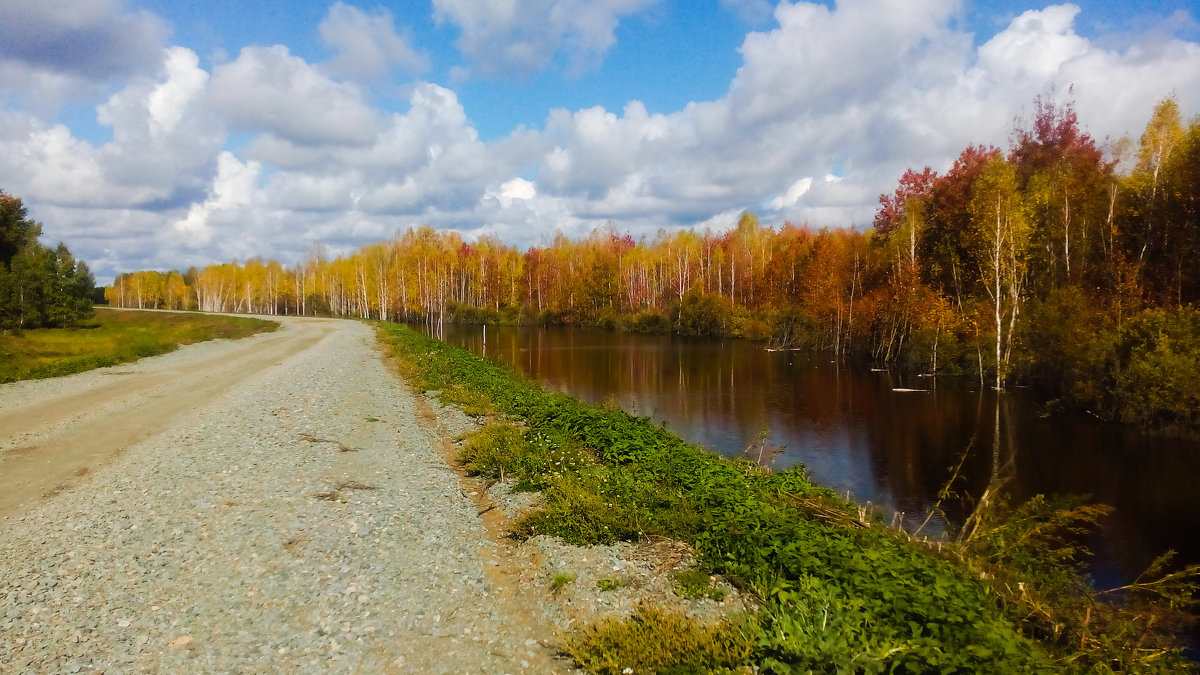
x,y
112,337
838,593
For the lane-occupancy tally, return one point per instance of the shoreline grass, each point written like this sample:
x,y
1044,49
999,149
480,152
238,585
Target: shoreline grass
x,y
112,337
837,594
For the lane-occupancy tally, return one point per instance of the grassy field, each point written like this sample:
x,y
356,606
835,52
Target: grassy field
x,y
840,591
113,336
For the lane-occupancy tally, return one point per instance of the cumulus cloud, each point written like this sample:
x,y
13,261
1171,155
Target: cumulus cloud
x,y
164,135
234,187
520,37
269,89
426,157
512,191
1037,44
1115,90
368,46
163,142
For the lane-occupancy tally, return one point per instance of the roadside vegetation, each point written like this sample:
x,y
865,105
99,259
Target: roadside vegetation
x,y
112,337
839,590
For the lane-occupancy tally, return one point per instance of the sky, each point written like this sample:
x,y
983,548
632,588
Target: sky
x,y
158,134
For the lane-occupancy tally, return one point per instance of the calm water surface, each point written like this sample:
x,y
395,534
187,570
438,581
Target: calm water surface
x,y
854,432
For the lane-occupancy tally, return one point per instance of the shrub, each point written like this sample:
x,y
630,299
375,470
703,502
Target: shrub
x,y
703,315
755,329
606,318
793,327
648,321
1066,347
467,314
1157,375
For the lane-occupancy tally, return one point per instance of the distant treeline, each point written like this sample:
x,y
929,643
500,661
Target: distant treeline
x,y
39,286
1054,264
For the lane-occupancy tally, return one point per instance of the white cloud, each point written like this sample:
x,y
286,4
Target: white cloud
x,y
516,38
165,117
512,191
1114,90
163,143
169,102
1037,44
269,89
793,194
368,45
235,187
428,156
60,167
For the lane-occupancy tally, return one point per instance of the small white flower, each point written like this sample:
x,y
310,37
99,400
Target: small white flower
x,y
628,671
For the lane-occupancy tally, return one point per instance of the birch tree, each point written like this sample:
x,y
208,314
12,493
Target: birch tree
x,y
1002,233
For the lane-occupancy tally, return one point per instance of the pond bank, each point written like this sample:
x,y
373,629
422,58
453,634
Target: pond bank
x,y
606,476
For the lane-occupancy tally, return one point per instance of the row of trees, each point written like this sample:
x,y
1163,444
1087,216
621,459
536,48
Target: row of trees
x,y
603,278
1009,265
39,286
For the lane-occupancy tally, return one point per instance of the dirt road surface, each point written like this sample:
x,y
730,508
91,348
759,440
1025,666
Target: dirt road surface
x,y
52,431
260,505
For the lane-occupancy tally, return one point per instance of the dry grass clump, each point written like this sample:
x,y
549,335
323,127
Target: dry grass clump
x,y
659,641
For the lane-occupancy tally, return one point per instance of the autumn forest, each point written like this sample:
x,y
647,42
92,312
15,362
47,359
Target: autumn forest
x,y
1062,263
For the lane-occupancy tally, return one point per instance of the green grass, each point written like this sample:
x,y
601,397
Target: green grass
x,y
835,595
695,584
560,582
112,337
611,584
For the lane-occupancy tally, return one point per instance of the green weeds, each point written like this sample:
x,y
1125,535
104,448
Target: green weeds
x,y
695,584
532,458
560,582
608,584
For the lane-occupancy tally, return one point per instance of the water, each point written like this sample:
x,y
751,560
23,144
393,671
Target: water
x,y
855,433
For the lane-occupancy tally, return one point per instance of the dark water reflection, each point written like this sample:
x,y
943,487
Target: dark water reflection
x,y
853,432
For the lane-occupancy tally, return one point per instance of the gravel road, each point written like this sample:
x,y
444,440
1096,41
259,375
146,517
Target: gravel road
x,y
260,505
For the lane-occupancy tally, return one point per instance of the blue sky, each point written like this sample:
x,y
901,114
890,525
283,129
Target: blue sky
x,y
157,134
672,53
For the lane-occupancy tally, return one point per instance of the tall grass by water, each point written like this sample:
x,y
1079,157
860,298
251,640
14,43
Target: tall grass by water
x,y
113,337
